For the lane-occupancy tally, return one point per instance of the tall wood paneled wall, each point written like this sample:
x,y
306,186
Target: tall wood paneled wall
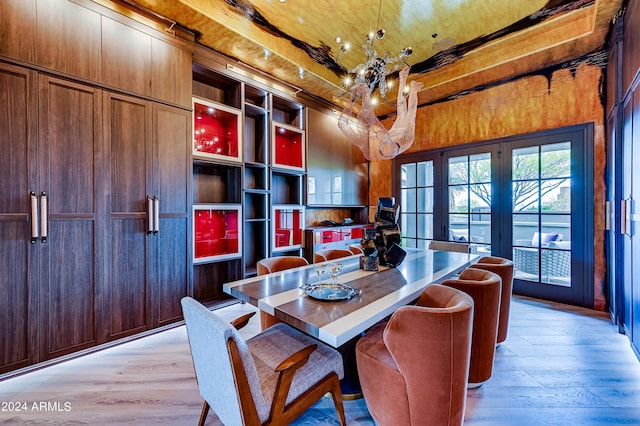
x,y
528,104
624,128
94,177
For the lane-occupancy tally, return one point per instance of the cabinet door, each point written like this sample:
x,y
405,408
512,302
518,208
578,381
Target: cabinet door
x,y
18,23
126,57
18,299
127,132
69,39
69,159
171,167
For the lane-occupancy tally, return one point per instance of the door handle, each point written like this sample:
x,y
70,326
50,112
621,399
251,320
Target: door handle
x,y
34,217
44,217
149,215
625,217
156,215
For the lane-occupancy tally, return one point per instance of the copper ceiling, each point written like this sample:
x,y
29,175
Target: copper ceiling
x,y
457,44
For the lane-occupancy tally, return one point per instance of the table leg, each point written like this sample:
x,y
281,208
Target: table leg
x,y
350,384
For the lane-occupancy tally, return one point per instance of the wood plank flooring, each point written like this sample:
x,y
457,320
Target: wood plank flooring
x,y
560,366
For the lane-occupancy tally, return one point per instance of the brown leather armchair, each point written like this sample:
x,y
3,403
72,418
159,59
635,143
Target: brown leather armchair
x,y
413,370
504,268
276,264
484,287
330,254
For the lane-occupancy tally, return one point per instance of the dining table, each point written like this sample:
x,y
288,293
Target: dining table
x,y
341,322
377,293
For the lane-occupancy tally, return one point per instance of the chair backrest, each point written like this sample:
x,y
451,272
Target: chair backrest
x,y
431,343
504,268
485,289
330,254
449,246
356,248
279,263
498,265
208,337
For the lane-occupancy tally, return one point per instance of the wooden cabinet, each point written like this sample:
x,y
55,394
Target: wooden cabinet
x,y
49,217
126,57
69,39
18,177
18,23
171,275
70,151
147,215
95,205
89,41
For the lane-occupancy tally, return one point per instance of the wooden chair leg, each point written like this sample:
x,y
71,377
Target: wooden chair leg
x,y
336,395
203,414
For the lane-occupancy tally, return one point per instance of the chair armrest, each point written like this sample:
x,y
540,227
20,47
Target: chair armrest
x,y
299,357
240,322
286,370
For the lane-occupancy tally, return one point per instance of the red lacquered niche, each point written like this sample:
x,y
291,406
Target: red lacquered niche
x,y
216,131
217,232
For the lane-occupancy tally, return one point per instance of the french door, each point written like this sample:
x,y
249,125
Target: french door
x,y
527,198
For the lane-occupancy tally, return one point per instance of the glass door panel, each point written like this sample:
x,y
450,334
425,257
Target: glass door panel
x,y
513,199
469,191
541,213
416,203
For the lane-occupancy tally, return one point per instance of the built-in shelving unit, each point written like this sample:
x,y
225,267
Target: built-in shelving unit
x,y
256,184
288,170
248,189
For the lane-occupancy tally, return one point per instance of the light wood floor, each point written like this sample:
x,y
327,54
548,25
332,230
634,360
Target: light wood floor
x,y
559,366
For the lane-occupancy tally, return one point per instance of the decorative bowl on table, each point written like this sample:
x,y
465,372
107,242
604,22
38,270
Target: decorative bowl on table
x,y
330,292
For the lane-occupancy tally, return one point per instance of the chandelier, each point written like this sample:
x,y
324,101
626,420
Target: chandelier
x,y
360,123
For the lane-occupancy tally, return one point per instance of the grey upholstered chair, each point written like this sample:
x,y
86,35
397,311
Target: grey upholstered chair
x,y
269,379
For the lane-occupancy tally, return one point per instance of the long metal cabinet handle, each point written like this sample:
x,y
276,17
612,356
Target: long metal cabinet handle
x,y
34,217
624,216
44,217
149,215
156,215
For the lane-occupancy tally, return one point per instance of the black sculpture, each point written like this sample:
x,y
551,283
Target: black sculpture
x,y
382,244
